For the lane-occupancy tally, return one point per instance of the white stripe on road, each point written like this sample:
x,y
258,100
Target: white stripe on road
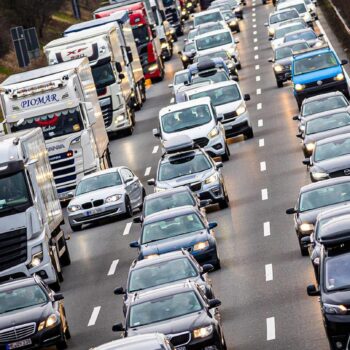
x,y
254,25
254,18
260,123
257,78
155,149
257,67
255,40
267,229
113,267
127,229
253,9
259,106
261,142
255,32
253,14
268,272
258,91
148,171
94,316
264,194
256,48
270,328
256,57
262,166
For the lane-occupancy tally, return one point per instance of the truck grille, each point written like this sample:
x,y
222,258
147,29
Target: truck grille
x,y
180,339
16,333
201,142
107,112
13,248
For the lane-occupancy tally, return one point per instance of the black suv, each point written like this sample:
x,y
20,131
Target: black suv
x,y
181,312
31,315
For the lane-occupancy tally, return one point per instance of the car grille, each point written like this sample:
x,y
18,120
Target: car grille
x,y
89,205
98,202
180,339
196,186
201,142
324,81
343,172
231,115
13,248
107,112
17,332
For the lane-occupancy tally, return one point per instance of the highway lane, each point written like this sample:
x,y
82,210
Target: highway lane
x,y
263,279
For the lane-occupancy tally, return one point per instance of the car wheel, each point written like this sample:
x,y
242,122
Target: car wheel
x,y
303,250
225,202
279,83
249,134
62,344
143,92
143,198
239,66
76,228
68,335
128,208
226,156
217,264
238,30
56,286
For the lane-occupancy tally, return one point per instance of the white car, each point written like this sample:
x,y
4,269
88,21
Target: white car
x,y
310,4
228,100
197,120
300,6
278,17
223,39
284,29
207,16
180,77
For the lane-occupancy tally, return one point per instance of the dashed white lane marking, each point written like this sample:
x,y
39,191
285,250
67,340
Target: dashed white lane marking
x,y
267,229
260,123
257,78
256,57
155,149
253,9
127,228
113,267
268,272
261,142
254,25
148,171
255,40
253,19
262,166
255,32
256,48
257,67
264,194
270,328
258,91
253,14
259,106
94,315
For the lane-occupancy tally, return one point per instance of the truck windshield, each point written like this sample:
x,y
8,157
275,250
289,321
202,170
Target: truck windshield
x,y
14,194
141,35
55,124
103,75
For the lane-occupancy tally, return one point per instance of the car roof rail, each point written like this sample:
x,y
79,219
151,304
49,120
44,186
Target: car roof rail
x,y
310,49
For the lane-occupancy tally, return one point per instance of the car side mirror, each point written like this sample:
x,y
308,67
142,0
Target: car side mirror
x,y
121,76
58,297
118,327
118,67
151,182
312,291
214,303
204,202
266,24
290,211
212,225
170,86
299,136
320,35
306,241
307,161
119,291
236,41
246,97
271,60
220,117
179,53
344,62
219,165
156,132
207,268
270,38
295,117
137,220
134,244
235,78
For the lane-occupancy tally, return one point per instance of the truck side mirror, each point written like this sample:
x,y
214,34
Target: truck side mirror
x,y
151,182
118,67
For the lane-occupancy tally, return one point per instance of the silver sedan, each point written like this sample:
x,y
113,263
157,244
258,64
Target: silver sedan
x,y
107,193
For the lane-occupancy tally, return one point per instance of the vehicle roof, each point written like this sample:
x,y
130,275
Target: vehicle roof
x,y
312,52
211,87
215,49
291,43
101,172
323,96
335,230
333,138
324,183
181,154
282,11
17,283
168,192
289,3
198,14
332,212
183,71
183,105
325,113
289,23
299,31
214,32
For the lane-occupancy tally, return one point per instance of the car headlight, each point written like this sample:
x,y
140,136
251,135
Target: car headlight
x,y
159,189
310,146
200,246
317,261
278,68
319,44
299,87
113,198
184,12
189,4
164,45
49,322
319,175
306,227
241,109
213,133
233,23
339,77
73,208
232,51
302,127
203,332
211,179
334,309
151,256
120,118
184,58
271,31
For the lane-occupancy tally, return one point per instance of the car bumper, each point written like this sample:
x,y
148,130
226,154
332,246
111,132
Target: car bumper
x,y
216,146
283,76
337,329
215,192
208,256
237,126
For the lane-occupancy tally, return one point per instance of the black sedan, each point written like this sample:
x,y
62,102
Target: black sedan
x,y
315,198
187,54
181,312
31,315
330,158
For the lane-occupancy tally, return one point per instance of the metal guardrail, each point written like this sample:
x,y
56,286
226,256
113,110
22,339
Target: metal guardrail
x,y
340,17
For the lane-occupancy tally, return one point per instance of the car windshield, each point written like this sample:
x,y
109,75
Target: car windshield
x,y
141,35
324,104
207,17
301,8
324,196
220,96
218,54
316,62
216,40
180,78
103,75
162,273
21,298
287,51
328,122
54,124
171,227
186,118
281,32
182,166
332,149
209,28
337,272
162,309
169,201
307,35
283,16
98,182
189,47
217,77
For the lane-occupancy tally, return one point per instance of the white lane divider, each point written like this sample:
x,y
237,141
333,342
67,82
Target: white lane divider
x,y
268,272
258,91
260,123
257,78
155,149
253,14
257,67
270,329
262,166
261,142
256,48
267,229
148,171
253,9
127,228
259,106
255,32
94,315
254,19
264,194
255,40
254,25
113,267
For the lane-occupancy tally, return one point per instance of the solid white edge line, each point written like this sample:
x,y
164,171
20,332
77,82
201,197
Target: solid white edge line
x,y
261,142
127,228
113,267
264,194
148,171
262,166
155,149
268,272
260,123
270,329
94,315
267,229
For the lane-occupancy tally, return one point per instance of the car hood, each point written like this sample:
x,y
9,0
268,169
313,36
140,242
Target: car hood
x,y
228,107
99,194
337,298
311,215
317,75
328,133
334,164
186,180
193,133
284,61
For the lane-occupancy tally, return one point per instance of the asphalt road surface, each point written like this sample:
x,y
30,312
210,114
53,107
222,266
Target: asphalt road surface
x,y
262,283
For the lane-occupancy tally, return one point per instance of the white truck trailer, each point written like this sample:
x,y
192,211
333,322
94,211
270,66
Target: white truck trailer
x,y
62,100
31,238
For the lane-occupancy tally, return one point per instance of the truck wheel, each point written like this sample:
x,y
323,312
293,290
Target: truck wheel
x,y
138,98
65,258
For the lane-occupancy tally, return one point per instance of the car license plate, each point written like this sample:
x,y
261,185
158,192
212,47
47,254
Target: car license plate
x,y
181,348
93,211
19,344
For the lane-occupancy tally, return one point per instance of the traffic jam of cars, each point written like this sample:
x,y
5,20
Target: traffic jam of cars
x,y
56,172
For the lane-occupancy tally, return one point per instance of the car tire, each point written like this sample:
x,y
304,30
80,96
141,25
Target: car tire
x,y
249,134
239,66
128,208
76,228
217,264
225,202
56,286
304,251
143,198
62,344
238,30
279,83
226,156
65,258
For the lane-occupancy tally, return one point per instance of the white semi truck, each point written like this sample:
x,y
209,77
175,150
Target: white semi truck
x,y
31,238
62,100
